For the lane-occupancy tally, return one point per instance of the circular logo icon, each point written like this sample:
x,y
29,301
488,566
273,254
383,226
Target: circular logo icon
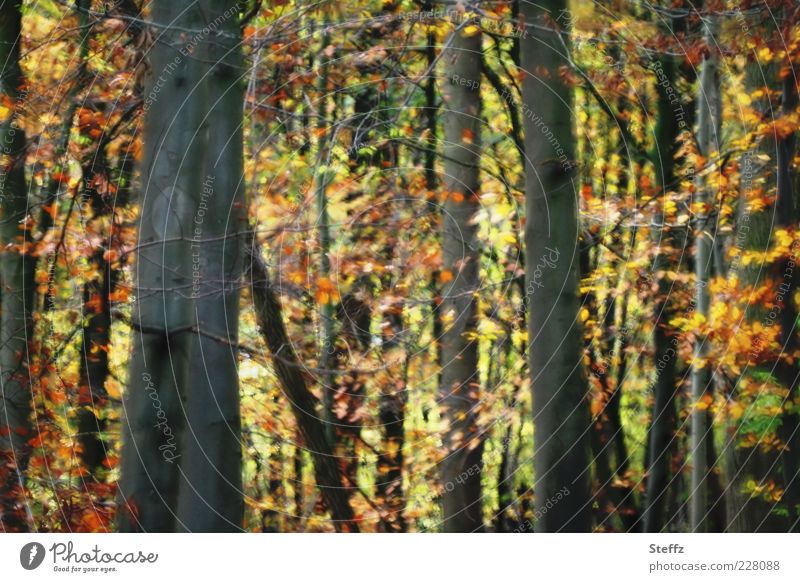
x,y
31,555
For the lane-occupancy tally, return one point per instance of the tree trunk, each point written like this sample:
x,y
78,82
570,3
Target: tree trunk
x,y
458,391
17,269
289,371
324,175
392,415
92,395
560,405
163,316
708,132
210,492
748,512
786,216
389,481
662,424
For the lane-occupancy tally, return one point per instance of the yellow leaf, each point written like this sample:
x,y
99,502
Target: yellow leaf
x,y
471,30
113,388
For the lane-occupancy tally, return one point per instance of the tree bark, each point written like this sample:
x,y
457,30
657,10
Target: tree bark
x,y
662,424
459,387
210,491
708,132
560,407
17,269
786,216
746,512
163,315
96,333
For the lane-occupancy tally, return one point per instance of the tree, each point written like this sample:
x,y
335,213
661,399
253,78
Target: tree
x,y
708,136
288,369
17,269
459,386
560,406
786,217
210,492
163,316
660,436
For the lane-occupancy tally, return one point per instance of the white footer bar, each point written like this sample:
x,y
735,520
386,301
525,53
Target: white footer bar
x,y
400,558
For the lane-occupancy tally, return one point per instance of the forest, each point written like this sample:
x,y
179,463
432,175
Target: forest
x,y
399,266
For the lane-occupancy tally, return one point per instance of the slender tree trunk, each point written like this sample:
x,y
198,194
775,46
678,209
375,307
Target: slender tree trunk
x,y
746,512
709,120
431,109
163,315
94,370
289,371
392,415
716,490
622,489
390,462
786,216
662,424
323,178
17,269
210,493
298,487
431,182
560,405
600,435
96,334
505,481
460,469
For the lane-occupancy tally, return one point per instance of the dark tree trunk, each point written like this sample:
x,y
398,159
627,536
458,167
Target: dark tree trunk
x,y
560,392
304,406
210,492
163,316
662,423
17,269
459,388
94,370
786,216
